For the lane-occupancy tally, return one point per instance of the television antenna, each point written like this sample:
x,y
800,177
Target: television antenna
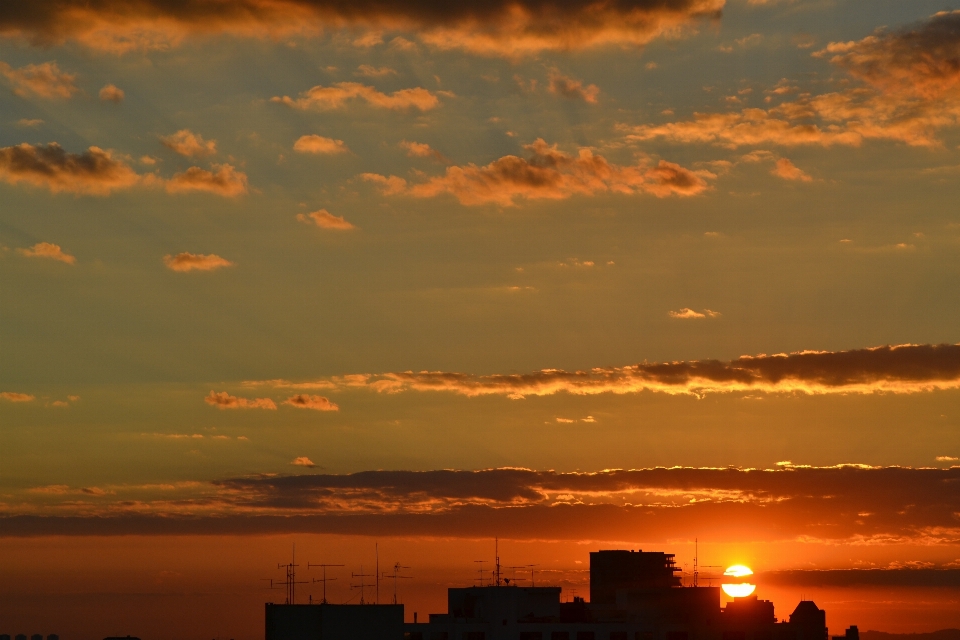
x,y
324,579
396,576
480,570
523,567
290,582
696,568
362,586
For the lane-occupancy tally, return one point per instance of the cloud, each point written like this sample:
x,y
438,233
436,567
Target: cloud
x,y
876,577
548,174
687,313
318,144
788,171
368,71
336,96
227,181
224,400
48,250
852,505
303,461
909,89
947,458
111,93
13,396
29,122
317,403
887,369
93,172
569,88
500,27
195,262
189,144
40,80
421,150
325,220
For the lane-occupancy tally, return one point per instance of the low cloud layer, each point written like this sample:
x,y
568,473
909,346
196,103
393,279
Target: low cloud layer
x,y
891,369
847,504
500,27
548,174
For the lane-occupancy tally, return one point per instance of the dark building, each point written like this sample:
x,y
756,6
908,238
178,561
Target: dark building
x,y
636,570
20,636
638,596
334,622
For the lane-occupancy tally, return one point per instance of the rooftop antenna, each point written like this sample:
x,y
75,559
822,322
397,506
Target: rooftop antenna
x,y
524,566
376,550
361,586
496,553
290,583
396,576
696,572
481,570
324,578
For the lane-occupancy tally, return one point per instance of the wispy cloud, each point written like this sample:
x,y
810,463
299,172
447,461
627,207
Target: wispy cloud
x,y
325,220
224,400
368,71
338,95
887,369
690,314
573,89
785,169
93,172
548,174
48,250
195,262
189,144
421,150
318,144
40,80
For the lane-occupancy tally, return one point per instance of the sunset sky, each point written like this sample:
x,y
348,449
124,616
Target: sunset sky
x,y
573,274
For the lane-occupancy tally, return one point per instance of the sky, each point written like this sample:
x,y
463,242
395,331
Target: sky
x,y
576,275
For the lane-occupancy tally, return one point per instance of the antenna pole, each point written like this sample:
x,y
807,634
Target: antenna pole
x,y
325,578
496,553
376,547
696,553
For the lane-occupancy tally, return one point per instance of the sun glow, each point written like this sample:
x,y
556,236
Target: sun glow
x,y
738,588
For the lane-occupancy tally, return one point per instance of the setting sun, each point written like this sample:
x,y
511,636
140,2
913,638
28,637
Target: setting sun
x,y
737,588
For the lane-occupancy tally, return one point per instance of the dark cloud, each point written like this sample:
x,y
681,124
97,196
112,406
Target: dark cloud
x,y
94,171
894,369
864,577
498,27
846,504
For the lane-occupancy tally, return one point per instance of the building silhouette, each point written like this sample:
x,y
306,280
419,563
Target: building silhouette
x,y
634,595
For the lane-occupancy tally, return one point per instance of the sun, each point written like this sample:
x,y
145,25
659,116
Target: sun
x,y
736,585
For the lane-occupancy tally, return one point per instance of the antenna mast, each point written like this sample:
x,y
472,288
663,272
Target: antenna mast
x,y
480,562
396,575
290,583
324,579
361,586
496,553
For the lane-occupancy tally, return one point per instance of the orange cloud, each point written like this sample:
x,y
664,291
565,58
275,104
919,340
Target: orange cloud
x,y
888,369
317,403
93,172
686,313
421,150
325,220
227,181
788,171
111,93
189,144
41,80
337,96
224,400
303,461
47,250
548,174
195,262
13,396
319,144
569,88
500,27
911,90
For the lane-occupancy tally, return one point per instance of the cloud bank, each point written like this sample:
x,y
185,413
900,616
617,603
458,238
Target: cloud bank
x,y
888,369
846,504
499,27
